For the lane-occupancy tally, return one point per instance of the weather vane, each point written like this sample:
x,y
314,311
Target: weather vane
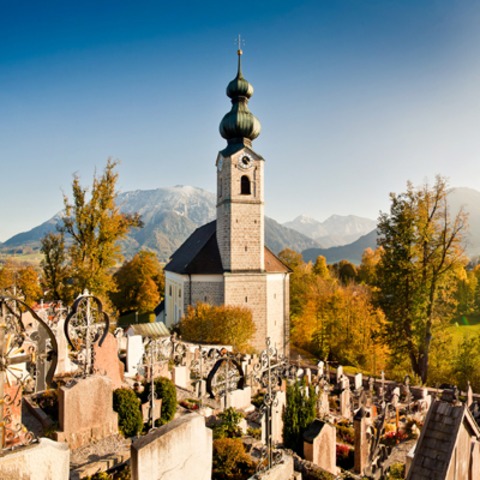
x,y
240,41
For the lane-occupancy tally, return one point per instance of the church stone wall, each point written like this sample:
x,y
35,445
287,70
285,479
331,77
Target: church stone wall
x,y
205,289
277,310
249,290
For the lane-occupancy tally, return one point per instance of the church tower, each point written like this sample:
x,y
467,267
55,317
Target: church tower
x,y
226,262
240,193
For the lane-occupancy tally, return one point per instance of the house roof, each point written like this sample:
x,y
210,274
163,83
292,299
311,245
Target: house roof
x,y
151,330
199,254
437,441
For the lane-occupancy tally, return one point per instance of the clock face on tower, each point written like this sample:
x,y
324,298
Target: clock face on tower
x,y
245,161
220,164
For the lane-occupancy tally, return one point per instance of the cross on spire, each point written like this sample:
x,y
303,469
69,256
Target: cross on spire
x,y
240,41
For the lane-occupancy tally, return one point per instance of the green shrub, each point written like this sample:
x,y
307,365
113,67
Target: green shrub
x,y
164,389
228,427
127,405
396,471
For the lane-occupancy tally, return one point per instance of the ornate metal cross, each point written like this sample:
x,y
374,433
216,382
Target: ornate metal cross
x,y
270,371
86,325
19,354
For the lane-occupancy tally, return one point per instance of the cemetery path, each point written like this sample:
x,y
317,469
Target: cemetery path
x,y
116,444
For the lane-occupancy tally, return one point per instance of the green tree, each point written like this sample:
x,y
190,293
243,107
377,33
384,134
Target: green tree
x,y
224,324
421,253
298,415
139,284
95,225
55,268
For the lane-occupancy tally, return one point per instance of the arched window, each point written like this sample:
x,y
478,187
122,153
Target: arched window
x,y
245,188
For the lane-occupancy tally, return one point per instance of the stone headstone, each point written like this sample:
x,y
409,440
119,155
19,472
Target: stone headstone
x,y
339,373
86,411
181,377
361,441
240,399
106,361
308,376
469,395
179,450
64,365
135,351
157,410
358,381
395,397
321,369
277,417
345,399
319,445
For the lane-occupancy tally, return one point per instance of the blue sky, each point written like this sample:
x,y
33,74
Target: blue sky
x,y
355,98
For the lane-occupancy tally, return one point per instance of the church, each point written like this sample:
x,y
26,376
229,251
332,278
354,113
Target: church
x,y
226,261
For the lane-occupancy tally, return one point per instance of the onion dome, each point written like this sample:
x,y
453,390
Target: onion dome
x,y
239,125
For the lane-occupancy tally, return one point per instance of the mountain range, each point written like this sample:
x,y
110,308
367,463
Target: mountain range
x,y
171,214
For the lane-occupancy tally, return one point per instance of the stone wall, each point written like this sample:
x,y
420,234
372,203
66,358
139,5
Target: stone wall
x,y
44,460
180,450
250,290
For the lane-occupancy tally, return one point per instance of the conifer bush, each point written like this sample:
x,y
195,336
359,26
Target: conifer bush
x,y
164,389
127,405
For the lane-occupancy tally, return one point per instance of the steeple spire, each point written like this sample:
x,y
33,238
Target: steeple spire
x,y
239,126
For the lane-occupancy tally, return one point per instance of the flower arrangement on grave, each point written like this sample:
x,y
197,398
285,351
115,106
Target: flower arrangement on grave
x,y
190,403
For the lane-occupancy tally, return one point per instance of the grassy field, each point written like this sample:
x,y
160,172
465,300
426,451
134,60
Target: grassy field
x,y
465,326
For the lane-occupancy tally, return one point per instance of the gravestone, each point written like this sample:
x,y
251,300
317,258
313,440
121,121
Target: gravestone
x,y
179,450
157,410
308,376
360,424
85,411
181,377
323,404
319,445
345,398
64,364
277,419
241,399
106,361
469,395
339,374
395,397
358,381
321,369
135,351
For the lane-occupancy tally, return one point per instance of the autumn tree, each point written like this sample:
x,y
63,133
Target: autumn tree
x,y
55,267
21,281
8,276
95,224
28,282
223,324
422,250
139,284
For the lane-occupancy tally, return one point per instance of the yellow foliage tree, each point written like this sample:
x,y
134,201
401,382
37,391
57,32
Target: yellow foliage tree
x,y
222,324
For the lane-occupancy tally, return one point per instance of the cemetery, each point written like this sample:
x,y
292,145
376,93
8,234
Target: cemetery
x,y
81,402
